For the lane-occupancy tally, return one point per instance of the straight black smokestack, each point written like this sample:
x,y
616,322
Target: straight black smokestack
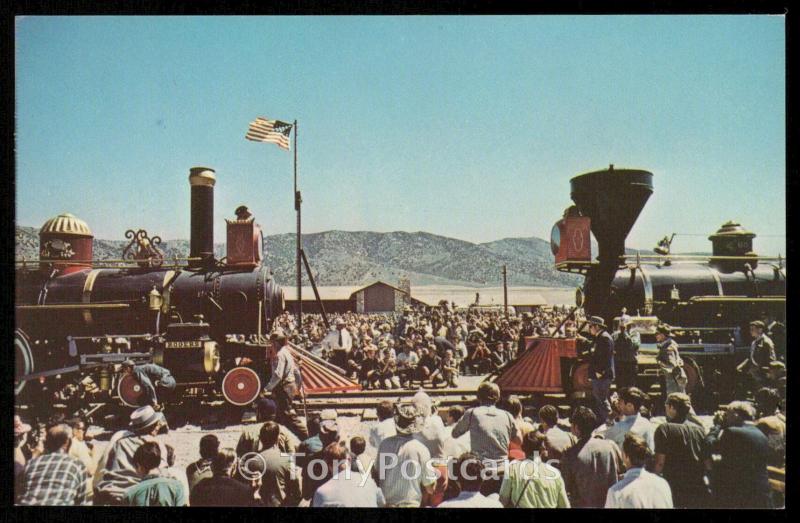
x,y
202,180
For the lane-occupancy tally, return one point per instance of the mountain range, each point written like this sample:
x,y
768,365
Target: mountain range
x,y
361,257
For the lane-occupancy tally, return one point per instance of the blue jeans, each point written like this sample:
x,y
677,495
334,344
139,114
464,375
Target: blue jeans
x,y
601,407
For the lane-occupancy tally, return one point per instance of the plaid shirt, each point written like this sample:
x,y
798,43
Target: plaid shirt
x,y
55,479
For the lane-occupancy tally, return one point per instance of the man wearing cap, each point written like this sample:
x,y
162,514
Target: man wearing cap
x,y
670,362
266,410
762,354
403,467
626,353
601,366
150,376
284,384
118,472
55,478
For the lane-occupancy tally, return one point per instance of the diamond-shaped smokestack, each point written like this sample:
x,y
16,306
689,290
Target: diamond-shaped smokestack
x,y
613,199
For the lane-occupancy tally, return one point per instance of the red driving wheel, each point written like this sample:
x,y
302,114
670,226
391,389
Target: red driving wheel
x,y
241,386
129,391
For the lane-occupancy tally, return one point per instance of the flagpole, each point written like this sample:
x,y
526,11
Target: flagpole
x,y
297,201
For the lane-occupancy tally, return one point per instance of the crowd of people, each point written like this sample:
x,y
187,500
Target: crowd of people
x,y
613,453
432,347
418,455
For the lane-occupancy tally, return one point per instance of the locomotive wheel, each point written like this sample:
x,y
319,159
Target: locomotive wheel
x,y
241,386
580,378
23,359
129,391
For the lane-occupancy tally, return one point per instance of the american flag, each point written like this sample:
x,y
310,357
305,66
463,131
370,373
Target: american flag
x,y
275,131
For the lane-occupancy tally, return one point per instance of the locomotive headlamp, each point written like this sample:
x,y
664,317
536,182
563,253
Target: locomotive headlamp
x,y
154,299
555,238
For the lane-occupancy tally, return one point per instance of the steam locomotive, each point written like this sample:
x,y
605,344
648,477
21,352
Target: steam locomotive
x,y
202,318
708,300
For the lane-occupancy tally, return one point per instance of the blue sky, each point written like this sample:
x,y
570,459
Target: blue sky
x,y
469,127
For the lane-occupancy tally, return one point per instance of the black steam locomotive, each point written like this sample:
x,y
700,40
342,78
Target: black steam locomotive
x,y
204,319
708,300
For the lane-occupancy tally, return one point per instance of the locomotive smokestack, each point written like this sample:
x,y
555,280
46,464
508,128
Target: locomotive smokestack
x,y
202,180
613,199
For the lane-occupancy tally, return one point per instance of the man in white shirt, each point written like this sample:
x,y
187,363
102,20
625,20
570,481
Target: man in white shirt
x,y
630,401
385,426
347,487
340,343
638,488
407,363
469,471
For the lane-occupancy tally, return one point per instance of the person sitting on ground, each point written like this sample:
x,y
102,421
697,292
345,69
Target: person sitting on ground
x,y
313,443
469,471
346,488
450,368
638,488
533,482
55,478
389,378
153,489
407,362
201,469
480,360
220,489
429,366
370,376
590,466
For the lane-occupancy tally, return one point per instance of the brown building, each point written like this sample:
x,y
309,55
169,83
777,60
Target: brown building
x,y
374,298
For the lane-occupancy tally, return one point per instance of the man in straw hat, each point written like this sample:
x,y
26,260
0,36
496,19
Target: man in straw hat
x,y
117,471
403,463
601,366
